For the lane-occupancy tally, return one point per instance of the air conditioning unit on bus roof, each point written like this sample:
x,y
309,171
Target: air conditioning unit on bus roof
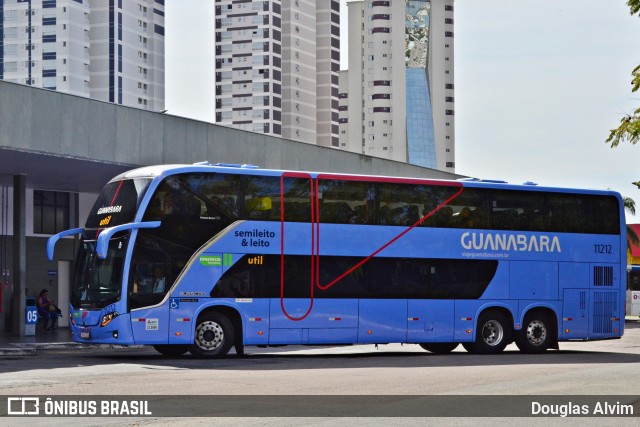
x,y
229,165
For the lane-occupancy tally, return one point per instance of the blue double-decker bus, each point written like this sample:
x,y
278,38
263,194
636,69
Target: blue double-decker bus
x,y
202,258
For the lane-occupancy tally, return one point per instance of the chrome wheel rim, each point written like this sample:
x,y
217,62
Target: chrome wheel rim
x,y
209,335
492,333
536,332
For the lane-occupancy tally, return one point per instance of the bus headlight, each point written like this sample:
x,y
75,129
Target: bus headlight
x,y
107,318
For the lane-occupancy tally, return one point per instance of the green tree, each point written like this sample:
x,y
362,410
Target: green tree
x,y
629,128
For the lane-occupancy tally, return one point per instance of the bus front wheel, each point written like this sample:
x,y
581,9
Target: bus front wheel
x,y
493,333
214,336
535,335
439,347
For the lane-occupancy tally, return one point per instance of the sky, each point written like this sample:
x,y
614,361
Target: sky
x,y
538,86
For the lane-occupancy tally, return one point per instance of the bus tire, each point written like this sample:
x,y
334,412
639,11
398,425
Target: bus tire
x,y
439,347
535,336
171,350
493,333
214,336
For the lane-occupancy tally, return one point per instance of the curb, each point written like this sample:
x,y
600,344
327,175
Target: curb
x,y
30,349
17,352
53,345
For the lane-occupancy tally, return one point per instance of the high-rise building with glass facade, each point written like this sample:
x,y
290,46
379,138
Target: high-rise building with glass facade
x,y
396,98
277,66
112,50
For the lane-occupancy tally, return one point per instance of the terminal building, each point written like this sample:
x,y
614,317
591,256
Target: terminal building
x,y
57,150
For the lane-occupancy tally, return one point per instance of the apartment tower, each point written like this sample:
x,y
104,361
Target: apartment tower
x,y
396,98
277,66
112,50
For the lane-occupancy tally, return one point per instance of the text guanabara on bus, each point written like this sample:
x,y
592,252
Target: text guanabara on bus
x,y
204,258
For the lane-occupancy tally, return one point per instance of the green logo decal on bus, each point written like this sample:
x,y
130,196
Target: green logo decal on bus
x,y
211,260
216,260
228,260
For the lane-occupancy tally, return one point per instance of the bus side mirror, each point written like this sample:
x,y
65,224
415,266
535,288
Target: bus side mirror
x,y
103,239
51,242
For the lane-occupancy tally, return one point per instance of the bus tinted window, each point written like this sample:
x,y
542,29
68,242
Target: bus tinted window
x,y
411,278
517,210
262,198
402,204
151,256
359,202
633,281
227,198
557,212
471,209
230,197
569,213
259,277
356,284
431,278
297,200
346,202
606,215
195,195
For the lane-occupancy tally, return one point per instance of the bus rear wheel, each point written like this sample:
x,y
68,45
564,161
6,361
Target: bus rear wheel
x,y
214,336
439,347
535,335
493,333
171,350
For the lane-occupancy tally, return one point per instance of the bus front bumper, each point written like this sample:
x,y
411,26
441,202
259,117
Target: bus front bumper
x,y
117,331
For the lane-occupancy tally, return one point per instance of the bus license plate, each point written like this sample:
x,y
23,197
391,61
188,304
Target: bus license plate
x,y
85,333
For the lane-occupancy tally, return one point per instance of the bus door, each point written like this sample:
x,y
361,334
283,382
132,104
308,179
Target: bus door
x,y
148,284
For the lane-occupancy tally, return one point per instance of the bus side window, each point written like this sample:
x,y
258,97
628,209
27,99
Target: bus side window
x,y
444,217
336,212
360,214
346,202
634,281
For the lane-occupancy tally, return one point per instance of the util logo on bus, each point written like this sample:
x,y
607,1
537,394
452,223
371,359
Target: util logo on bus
x,y
105,221
510,242
256,260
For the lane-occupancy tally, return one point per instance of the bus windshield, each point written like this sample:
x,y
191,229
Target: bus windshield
x,y
117,203
98,282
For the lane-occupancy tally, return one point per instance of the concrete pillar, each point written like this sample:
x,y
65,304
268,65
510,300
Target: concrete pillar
x,y
19,255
